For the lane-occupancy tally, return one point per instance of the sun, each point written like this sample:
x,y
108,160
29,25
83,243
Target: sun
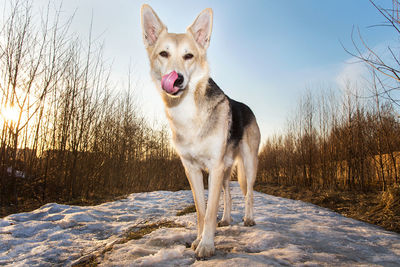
x,y
10,114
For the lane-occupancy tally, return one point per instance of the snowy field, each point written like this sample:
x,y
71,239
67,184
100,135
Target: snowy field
x,y
287,233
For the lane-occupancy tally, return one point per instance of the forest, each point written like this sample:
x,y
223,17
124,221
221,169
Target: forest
x,y
68,134
342,142
347,139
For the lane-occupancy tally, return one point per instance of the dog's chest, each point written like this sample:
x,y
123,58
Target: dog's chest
x,y
184,117
188,127
201,151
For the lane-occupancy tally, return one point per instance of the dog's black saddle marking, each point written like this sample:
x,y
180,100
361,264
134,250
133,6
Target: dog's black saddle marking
x,y
241,117
241,114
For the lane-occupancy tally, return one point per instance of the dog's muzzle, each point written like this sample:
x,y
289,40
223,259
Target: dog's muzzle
x,y
172,82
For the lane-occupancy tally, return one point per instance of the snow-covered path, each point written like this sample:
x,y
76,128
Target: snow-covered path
x,y
288,232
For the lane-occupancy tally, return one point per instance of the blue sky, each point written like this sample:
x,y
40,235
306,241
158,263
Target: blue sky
x,y
262,53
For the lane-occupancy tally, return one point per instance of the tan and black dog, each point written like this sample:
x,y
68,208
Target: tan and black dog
x,y
210,131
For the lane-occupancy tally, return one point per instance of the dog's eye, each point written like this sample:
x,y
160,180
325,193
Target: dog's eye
x,y
164,54
187,56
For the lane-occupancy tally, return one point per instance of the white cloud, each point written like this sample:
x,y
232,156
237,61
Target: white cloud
x,y
356,73
353,72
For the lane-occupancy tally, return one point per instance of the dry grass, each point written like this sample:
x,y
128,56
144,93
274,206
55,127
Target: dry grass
x,y
379,208
138,232
187,210
90,261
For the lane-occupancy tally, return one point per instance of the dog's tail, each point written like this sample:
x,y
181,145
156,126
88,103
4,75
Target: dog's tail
x,y
241,174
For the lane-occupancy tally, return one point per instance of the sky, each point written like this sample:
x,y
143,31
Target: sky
x,y
263,53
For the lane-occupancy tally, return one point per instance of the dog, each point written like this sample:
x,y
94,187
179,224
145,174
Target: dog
x,y
210,131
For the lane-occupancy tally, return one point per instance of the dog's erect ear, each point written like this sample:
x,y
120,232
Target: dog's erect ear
x,y
202,27
152,26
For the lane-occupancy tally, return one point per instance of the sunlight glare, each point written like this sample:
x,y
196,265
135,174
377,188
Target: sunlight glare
x,y
10,114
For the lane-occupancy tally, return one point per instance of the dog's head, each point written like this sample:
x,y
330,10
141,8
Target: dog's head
x,y
177,60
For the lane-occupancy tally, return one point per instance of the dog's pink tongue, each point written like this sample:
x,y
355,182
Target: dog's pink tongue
x,y
167,82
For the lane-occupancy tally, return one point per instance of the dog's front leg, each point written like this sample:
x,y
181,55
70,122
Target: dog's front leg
x,y
206,245
195,177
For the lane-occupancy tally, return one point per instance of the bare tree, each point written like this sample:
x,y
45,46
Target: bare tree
x,y
354,147
30,64
76,135
386,67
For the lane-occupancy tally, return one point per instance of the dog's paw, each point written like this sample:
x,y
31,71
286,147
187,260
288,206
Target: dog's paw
x,y
249,222
205,250
196,243
223,223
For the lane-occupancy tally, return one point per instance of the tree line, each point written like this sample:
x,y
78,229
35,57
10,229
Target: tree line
x,y
67,131
335,141
348,140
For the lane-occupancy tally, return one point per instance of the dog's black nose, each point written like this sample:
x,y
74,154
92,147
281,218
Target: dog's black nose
x,y
179,81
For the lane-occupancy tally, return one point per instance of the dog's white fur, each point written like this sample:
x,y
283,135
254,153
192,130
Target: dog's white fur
x,y
201,123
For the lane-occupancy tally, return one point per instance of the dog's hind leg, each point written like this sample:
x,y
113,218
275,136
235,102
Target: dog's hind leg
x,y
241,175
195,177
249,161
226,217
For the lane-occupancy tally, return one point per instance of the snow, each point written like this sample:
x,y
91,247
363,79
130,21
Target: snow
x,y
17,173
288,232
